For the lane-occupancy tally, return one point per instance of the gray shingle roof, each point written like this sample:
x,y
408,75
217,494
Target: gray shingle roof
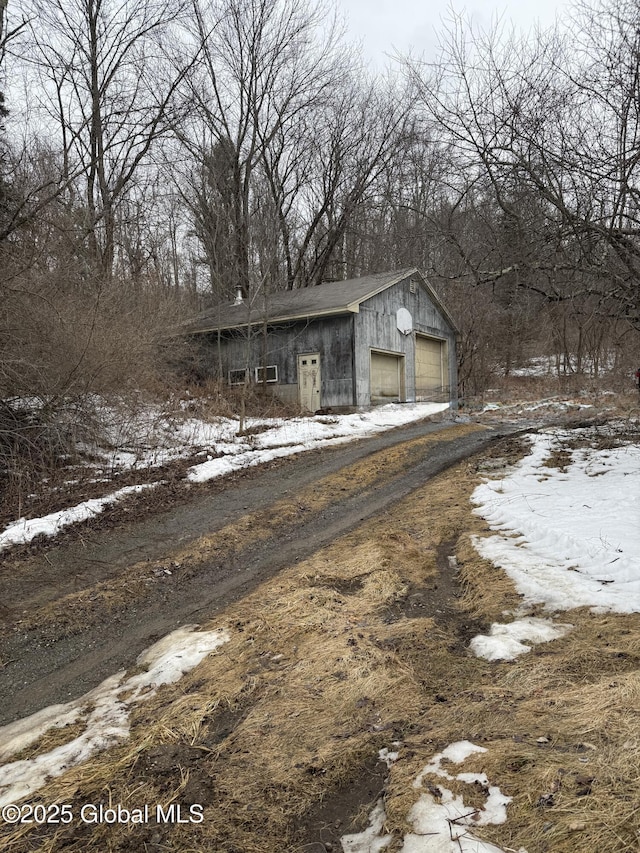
x,y
338,297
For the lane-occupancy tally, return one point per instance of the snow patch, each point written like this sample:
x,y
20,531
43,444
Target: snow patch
x,y
104,712
24,530
369,841
456,753
440,820
505,641
288,437
568,537
158,441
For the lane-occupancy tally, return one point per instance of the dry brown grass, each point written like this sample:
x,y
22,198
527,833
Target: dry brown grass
x,y
328,662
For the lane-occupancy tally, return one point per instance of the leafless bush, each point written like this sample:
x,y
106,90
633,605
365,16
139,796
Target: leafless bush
x,y
211,398
63,352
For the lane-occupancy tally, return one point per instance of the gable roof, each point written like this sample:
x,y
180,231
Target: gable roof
x,y
337,297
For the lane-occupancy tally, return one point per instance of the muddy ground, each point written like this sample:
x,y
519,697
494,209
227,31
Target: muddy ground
x,y
350,622
78,609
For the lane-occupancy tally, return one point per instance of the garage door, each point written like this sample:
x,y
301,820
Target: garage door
x,y
387,377
430,364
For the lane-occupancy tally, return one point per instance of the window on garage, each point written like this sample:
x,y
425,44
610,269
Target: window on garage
x,y
266,374
238,376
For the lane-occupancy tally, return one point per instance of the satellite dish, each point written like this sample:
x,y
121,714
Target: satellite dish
x,y
404,321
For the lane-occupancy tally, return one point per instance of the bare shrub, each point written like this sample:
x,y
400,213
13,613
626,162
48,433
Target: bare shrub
x,y
212,398
64,351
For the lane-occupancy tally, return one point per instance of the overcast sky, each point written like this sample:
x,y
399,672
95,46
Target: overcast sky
x,y
384,25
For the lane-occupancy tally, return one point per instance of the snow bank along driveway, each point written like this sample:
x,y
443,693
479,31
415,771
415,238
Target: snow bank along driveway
x,y
228,452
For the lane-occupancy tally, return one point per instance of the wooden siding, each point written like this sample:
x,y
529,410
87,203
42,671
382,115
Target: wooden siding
x,y
376,328
345,343
331,337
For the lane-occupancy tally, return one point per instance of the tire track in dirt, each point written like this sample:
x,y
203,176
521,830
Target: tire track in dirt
x,y
56,660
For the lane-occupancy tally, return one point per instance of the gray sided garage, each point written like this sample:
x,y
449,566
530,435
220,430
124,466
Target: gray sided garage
x,y
377,339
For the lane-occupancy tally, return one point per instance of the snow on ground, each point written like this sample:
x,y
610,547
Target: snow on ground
x,y
25,529
568,537
566,527
295,435
551,405
372,840
168,440
440,819
552,365
104,712
505,641
154,439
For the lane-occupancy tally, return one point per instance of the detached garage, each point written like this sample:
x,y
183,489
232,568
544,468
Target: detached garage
x,y
366,341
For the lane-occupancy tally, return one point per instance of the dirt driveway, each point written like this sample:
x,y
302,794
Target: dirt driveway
x,y
84,607
349,587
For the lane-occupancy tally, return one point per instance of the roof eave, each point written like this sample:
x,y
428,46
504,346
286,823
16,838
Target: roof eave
x,y
351,308
400,276
436,300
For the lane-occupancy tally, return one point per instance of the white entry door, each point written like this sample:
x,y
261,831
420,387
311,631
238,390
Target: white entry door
x,y
309,381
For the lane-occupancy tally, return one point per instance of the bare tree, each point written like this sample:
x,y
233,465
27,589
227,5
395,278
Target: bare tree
x,y
262,66
557,128
335,165
395,225
104,90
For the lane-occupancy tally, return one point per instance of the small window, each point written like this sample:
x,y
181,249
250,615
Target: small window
x,y
239,376
304,361
271,373
413,286
314,361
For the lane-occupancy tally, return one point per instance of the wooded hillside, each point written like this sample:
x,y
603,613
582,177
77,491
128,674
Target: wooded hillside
x,y
156,156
